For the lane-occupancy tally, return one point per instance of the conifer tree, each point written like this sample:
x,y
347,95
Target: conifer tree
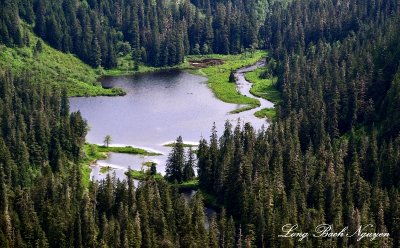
x,y
175,162
188,171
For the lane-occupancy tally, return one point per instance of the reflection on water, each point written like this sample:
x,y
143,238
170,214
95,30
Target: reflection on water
x,y
157,108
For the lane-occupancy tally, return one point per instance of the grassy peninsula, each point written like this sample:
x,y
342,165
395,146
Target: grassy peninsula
x,y
218,76
126,149
264,88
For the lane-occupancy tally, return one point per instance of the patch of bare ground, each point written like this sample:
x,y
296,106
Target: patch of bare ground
x,y
203,63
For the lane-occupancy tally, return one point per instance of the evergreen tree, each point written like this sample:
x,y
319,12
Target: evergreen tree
x,y
188,171
176,162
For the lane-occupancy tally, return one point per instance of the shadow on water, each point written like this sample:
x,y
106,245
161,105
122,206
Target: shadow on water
x,y
208,210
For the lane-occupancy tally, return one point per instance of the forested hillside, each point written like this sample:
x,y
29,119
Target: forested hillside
x,y
331,156
44,204
158,33
52,67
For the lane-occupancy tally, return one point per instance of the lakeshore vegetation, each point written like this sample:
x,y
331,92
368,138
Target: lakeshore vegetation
x,y
331,154
218,77
126,149
264,85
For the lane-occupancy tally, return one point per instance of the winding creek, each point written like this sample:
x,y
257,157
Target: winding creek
x,y
157,108
244,86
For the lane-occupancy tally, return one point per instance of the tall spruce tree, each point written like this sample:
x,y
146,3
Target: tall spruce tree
x,y
176,162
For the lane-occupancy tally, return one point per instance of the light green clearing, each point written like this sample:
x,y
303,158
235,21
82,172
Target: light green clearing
x,y
54,68
126,149
269,113
105,169
191,184
143,175
218,77
91,155
184,145
264,88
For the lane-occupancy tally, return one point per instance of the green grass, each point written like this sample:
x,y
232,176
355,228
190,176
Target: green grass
x,y
85,169
54,68
242,109
184,145
126,149
149,164
93,152
269,113
264,88
191,184
91,155
105,169
218,76
143,175
125,67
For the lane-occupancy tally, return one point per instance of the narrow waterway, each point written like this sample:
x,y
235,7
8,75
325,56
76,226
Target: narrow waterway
x,y
244,87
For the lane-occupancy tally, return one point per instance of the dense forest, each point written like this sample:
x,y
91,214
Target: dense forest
x,y
44,203
331,156
158,33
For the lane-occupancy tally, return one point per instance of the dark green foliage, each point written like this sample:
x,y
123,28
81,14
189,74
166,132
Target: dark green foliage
x,y
35,146
263,183
159,33
153,169
331,156
10,33
38,48
188,171
232,78
174,171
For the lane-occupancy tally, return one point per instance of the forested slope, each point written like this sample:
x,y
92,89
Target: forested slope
x,y
158,33
52,67
43,202
332,155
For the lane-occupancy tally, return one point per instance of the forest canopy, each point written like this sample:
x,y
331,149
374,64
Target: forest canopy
x,y
157,33
330,156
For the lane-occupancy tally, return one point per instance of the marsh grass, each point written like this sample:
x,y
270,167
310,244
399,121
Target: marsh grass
x,y
90,156
264,88
269,113
126,149
143,175
105,169
218,76
188,185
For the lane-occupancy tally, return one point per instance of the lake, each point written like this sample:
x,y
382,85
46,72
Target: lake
x,y
157,108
